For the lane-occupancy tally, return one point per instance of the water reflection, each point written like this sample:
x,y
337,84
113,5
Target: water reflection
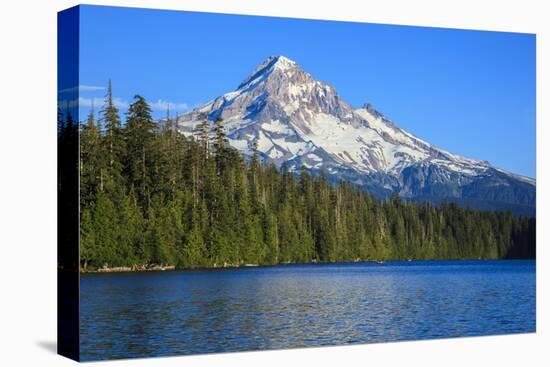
x,y
135,315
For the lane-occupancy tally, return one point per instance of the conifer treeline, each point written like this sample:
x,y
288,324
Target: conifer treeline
x,y
149,195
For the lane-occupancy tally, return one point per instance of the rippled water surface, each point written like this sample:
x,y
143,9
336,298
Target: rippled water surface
x,y
288,306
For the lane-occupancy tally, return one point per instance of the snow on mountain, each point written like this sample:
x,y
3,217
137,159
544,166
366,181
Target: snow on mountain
x,y
299,121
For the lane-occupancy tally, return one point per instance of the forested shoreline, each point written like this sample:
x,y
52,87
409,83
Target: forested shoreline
x,y
151,196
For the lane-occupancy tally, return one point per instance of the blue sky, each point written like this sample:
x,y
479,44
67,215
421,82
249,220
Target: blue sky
x,y
468,92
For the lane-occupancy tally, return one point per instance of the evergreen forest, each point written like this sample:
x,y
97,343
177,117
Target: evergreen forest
x,y
151,195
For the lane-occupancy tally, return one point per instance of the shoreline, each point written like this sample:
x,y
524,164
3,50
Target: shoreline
x,y
173,268
158,268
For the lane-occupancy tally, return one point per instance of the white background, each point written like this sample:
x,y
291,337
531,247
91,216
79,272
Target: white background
x,y
28,182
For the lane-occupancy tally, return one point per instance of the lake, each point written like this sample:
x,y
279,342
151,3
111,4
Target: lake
x,y
289,306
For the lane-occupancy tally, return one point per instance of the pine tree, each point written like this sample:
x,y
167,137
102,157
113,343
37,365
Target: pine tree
x,y
220,138
106,232
87,239
91,159
140,158
202,133
114,140
132,228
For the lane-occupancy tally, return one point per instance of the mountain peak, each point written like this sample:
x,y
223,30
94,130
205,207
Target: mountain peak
x,y
298,121
271,64
278,61
282,61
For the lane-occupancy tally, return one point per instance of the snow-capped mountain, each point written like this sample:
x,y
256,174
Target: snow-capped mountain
x,y
299,121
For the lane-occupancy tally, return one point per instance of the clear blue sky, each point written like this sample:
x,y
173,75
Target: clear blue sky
x,y
469,92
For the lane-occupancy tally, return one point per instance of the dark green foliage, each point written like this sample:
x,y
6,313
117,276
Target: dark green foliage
x,y
141,162
149,195
113,145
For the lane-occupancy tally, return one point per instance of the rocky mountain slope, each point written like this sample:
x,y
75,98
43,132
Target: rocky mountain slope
x,y
298,121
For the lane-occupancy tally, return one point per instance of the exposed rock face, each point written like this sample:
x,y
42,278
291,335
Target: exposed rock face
x,y
299,121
